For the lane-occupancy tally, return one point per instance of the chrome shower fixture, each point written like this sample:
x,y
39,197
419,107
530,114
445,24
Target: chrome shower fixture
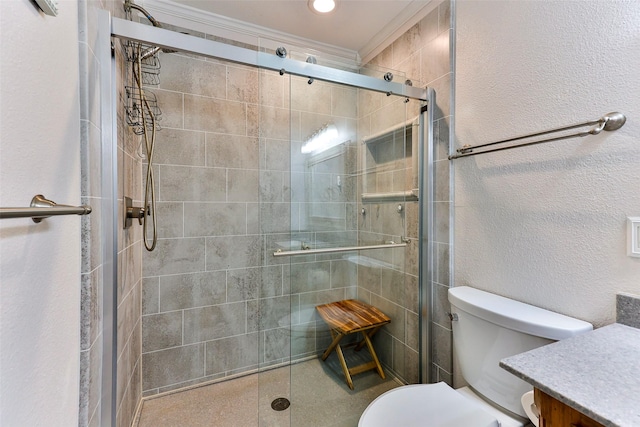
x,y
128,5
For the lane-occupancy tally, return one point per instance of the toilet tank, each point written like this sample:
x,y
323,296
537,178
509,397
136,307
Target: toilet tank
x,y
489,328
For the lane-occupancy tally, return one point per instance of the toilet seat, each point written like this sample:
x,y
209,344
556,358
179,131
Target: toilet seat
x,y
420,405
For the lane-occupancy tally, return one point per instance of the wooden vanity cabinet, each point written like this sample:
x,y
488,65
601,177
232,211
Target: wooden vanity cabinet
x,y
554,413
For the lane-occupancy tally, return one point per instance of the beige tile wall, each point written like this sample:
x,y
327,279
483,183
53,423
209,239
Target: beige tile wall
x,y
129,252
215,301
422,54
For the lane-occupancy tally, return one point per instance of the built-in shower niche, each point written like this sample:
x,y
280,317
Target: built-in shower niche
x,y
389,164
329,195
388,182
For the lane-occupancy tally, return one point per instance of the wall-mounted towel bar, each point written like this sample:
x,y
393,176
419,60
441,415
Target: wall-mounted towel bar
x,y
42,208
608,122
280,252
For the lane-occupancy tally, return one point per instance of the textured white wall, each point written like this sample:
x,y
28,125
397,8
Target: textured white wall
x,y
39,263
546,224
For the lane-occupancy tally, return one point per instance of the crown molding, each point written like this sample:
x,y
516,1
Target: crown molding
x,y
399,25
217,25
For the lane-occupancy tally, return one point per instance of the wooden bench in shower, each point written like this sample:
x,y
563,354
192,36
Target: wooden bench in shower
x,y
349,317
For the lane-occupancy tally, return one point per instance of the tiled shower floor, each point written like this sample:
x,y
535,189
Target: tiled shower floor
x,y
321,398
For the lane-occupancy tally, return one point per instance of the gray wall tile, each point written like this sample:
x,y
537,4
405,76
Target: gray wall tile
x,y
234,252
277,345
214,219
183,291
219,321
170,219
172,366
192,184
161,331
232,151
308,277
179,147
442,348
242,84
228,354
274,312
174,256
185,74
150,295
215,115
242,185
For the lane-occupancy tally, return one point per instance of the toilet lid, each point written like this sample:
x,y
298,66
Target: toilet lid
x,y
425,405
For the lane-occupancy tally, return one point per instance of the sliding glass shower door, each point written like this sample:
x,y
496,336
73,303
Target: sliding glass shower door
x,y
252,164
351,183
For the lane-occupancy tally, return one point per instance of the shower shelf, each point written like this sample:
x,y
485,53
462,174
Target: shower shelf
x,y
149,77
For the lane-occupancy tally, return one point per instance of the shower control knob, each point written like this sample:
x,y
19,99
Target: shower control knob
x,y
132,212
136,212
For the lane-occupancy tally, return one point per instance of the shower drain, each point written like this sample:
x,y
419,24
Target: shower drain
x,y
280,404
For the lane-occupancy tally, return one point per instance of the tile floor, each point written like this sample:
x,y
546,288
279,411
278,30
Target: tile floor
x,y
317,390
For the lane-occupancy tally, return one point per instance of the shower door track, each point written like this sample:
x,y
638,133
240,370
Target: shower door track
x,y
187,43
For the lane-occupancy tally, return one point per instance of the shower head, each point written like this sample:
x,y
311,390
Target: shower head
x,y
128,5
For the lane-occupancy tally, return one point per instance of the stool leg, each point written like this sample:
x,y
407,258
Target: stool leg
x,y
336,339
374,356
345,369
371,332
335,344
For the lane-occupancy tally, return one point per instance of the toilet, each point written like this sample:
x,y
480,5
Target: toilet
x,y
486,329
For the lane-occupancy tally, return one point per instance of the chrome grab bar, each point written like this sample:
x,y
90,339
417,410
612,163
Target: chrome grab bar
x,y
42,208
608,122
391,244
392,196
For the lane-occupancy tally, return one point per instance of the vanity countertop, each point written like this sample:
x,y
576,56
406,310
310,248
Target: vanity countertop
x,y
596,373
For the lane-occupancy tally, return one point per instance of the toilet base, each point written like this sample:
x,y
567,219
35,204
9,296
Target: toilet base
x,y
436,405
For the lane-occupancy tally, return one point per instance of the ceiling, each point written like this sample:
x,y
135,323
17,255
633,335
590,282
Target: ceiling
x,y
360,26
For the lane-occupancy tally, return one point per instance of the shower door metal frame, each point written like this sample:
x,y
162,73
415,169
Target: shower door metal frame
x,y
110,27
187,43
109,219
426,233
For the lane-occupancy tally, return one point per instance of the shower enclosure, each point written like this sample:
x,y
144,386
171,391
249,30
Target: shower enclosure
x,y
275,176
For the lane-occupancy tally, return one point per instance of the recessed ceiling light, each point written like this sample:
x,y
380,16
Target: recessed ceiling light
x,y
322,6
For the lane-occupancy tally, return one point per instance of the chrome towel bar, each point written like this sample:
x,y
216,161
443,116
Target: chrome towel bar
x,y
42,208
280,252
608,122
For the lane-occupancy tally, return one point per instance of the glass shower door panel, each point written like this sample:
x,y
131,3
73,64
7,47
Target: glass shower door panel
x,y
334,161
273,214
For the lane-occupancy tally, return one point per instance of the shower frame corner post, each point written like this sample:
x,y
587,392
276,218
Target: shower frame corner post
x,y
426,232
109,219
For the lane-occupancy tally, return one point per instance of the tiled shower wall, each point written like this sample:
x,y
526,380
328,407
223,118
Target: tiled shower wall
x,y
257,179
216,303
423,54
128,350
92,260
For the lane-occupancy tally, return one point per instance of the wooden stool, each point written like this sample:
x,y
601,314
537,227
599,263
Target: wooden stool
x,y
349,317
